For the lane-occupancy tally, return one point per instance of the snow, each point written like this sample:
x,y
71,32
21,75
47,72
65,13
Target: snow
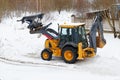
x,y
20,55
46,73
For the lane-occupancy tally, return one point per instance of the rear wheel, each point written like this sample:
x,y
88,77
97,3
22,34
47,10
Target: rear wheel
x,y
69,55
46,55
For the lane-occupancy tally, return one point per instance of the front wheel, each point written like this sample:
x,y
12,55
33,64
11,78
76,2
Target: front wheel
x,y
46,55
69,55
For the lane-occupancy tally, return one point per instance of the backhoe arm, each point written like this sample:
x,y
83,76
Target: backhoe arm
x,y
97,41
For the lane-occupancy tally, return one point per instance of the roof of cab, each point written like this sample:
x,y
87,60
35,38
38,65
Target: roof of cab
x,y
71,25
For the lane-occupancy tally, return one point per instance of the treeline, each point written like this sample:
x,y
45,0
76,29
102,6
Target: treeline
x,y
103,4
40,5
20,6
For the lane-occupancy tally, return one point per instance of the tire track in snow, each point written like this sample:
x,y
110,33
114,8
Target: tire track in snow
x,y
20,62
88,65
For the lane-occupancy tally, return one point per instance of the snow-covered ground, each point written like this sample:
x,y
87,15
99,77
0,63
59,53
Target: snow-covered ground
x,y
20,55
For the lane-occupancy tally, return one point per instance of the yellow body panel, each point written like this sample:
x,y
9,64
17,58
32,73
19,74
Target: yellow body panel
x,y
92,54
53,46
51,43
56,52
82,53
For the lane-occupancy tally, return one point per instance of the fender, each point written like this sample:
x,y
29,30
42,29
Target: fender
x,y
48,50
70,44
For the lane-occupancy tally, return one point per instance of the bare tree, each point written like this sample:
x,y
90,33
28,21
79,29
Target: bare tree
x,y
82,5
62,4
102,4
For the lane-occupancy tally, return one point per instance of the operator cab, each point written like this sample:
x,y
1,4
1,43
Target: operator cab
x,y
73,33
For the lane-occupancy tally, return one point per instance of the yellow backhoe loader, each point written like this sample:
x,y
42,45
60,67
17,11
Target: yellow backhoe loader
x,y
71,41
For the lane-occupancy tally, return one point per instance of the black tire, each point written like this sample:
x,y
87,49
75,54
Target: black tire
x,y
46,55
69,55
